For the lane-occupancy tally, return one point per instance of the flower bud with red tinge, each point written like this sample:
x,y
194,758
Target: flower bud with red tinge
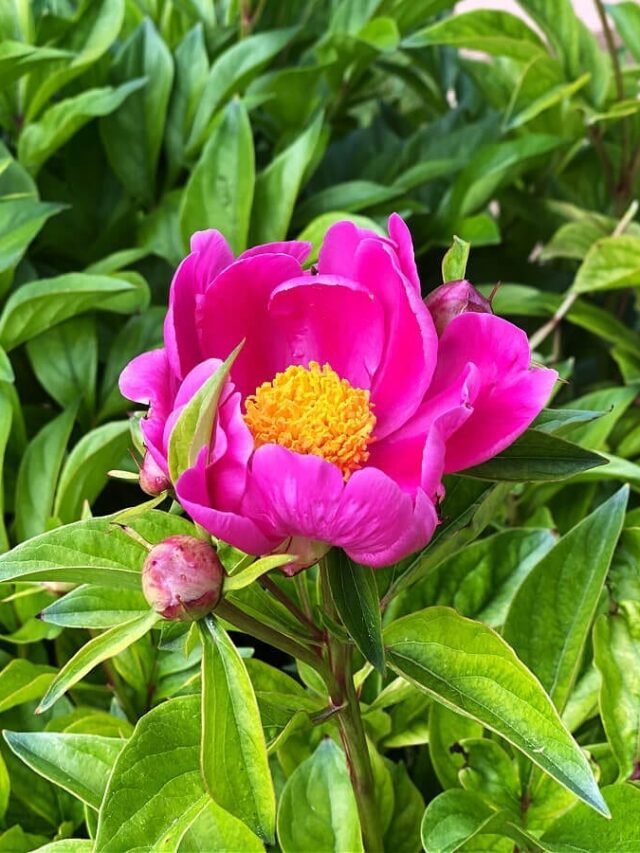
x,y
182,578
153,480
452,299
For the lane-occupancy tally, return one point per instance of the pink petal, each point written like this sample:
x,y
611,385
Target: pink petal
x,y
331,320
401,236
210,254
411,341
511,393
232,527
377,523
338,250
235,308
298,249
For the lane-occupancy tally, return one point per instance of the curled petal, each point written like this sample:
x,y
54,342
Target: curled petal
x,y
298,249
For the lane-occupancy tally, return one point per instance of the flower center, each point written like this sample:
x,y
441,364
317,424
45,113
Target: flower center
x,y
312,410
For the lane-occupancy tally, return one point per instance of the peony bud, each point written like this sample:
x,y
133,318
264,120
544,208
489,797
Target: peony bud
x,y
182,578
453,298
153,480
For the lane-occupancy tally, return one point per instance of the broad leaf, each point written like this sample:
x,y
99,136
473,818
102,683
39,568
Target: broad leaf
x,y
96,607
235,767
613,262
317,808
470,668
22,681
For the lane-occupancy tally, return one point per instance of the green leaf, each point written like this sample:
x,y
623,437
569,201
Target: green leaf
x,y
447,728
550,618
537,456
230,72
22,681
6,420
213,823
581,831
616,646
235,767
18,59
611,263
627,19
454,263
355,595
470,668
40,140
194,427
93,29
85,472
408,808
219,192
96,607
21,218
349,196
80,764
91,551
246,576
39,305
561,421
97,650
133,133
278,186
317,808
68,845
496,33
65,361
38,475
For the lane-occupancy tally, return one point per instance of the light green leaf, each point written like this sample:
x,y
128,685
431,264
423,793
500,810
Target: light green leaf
x,y
85,472
6,419
93,550
550,618
317,808
627,19
97,650
212,822
494,32
68,845
92,31
39,305
611,263
454,263
355,595
537,456
582,831
22,681
246,576
230,72
193,429
235,767
408,808
40,140
38,475
18,59
219,192
91,606
278,186
80,764
470,668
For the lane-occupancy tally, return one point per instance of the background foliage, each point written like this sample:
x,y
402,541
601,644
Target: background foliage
x,y
128,124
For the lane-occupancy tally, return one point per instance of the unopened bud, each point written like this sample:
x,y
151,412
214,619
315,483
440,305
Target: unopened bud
x,y
452,299
182,578
153,480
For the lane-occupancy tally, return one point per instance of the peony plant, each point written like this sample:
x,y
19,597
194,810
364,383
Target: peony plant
x,y
306,432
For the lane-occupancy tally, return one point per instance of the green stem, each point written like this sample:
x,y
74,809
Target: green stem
x,y
343,696
243,622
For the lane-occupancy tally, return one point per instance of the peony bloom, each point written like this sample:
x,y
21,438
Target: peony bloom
x,y
343,409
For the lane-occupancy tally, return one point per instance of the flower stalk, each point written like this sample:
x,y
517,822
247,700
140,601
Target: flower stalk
x,y
344,697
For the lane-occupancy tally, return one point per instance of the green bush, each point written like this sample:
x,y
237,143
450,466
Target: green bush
x,y
126,125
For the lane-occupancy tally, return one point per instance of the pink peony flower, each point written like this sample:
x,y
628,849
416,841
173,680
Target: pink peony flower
x,y
343,409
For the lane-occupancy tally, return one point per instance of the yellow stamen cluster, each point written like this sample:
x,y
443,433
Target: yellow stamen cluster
x,y
312,410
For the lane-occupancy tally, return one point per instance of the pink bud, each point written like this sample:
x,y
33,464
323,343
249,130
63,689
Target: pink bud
x,y
153,480
182,578
453,298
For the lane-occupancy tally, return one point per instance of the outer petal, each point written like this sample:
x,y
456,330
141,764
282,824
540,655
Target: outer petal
x,y
232,527
401,237
377,523
339,247
411,341
298,249
331,320
235,308
210,254
511,392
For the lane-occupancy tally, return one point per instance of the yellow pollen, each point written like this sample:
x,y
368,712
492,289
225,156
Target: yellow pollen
x,y
312,410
